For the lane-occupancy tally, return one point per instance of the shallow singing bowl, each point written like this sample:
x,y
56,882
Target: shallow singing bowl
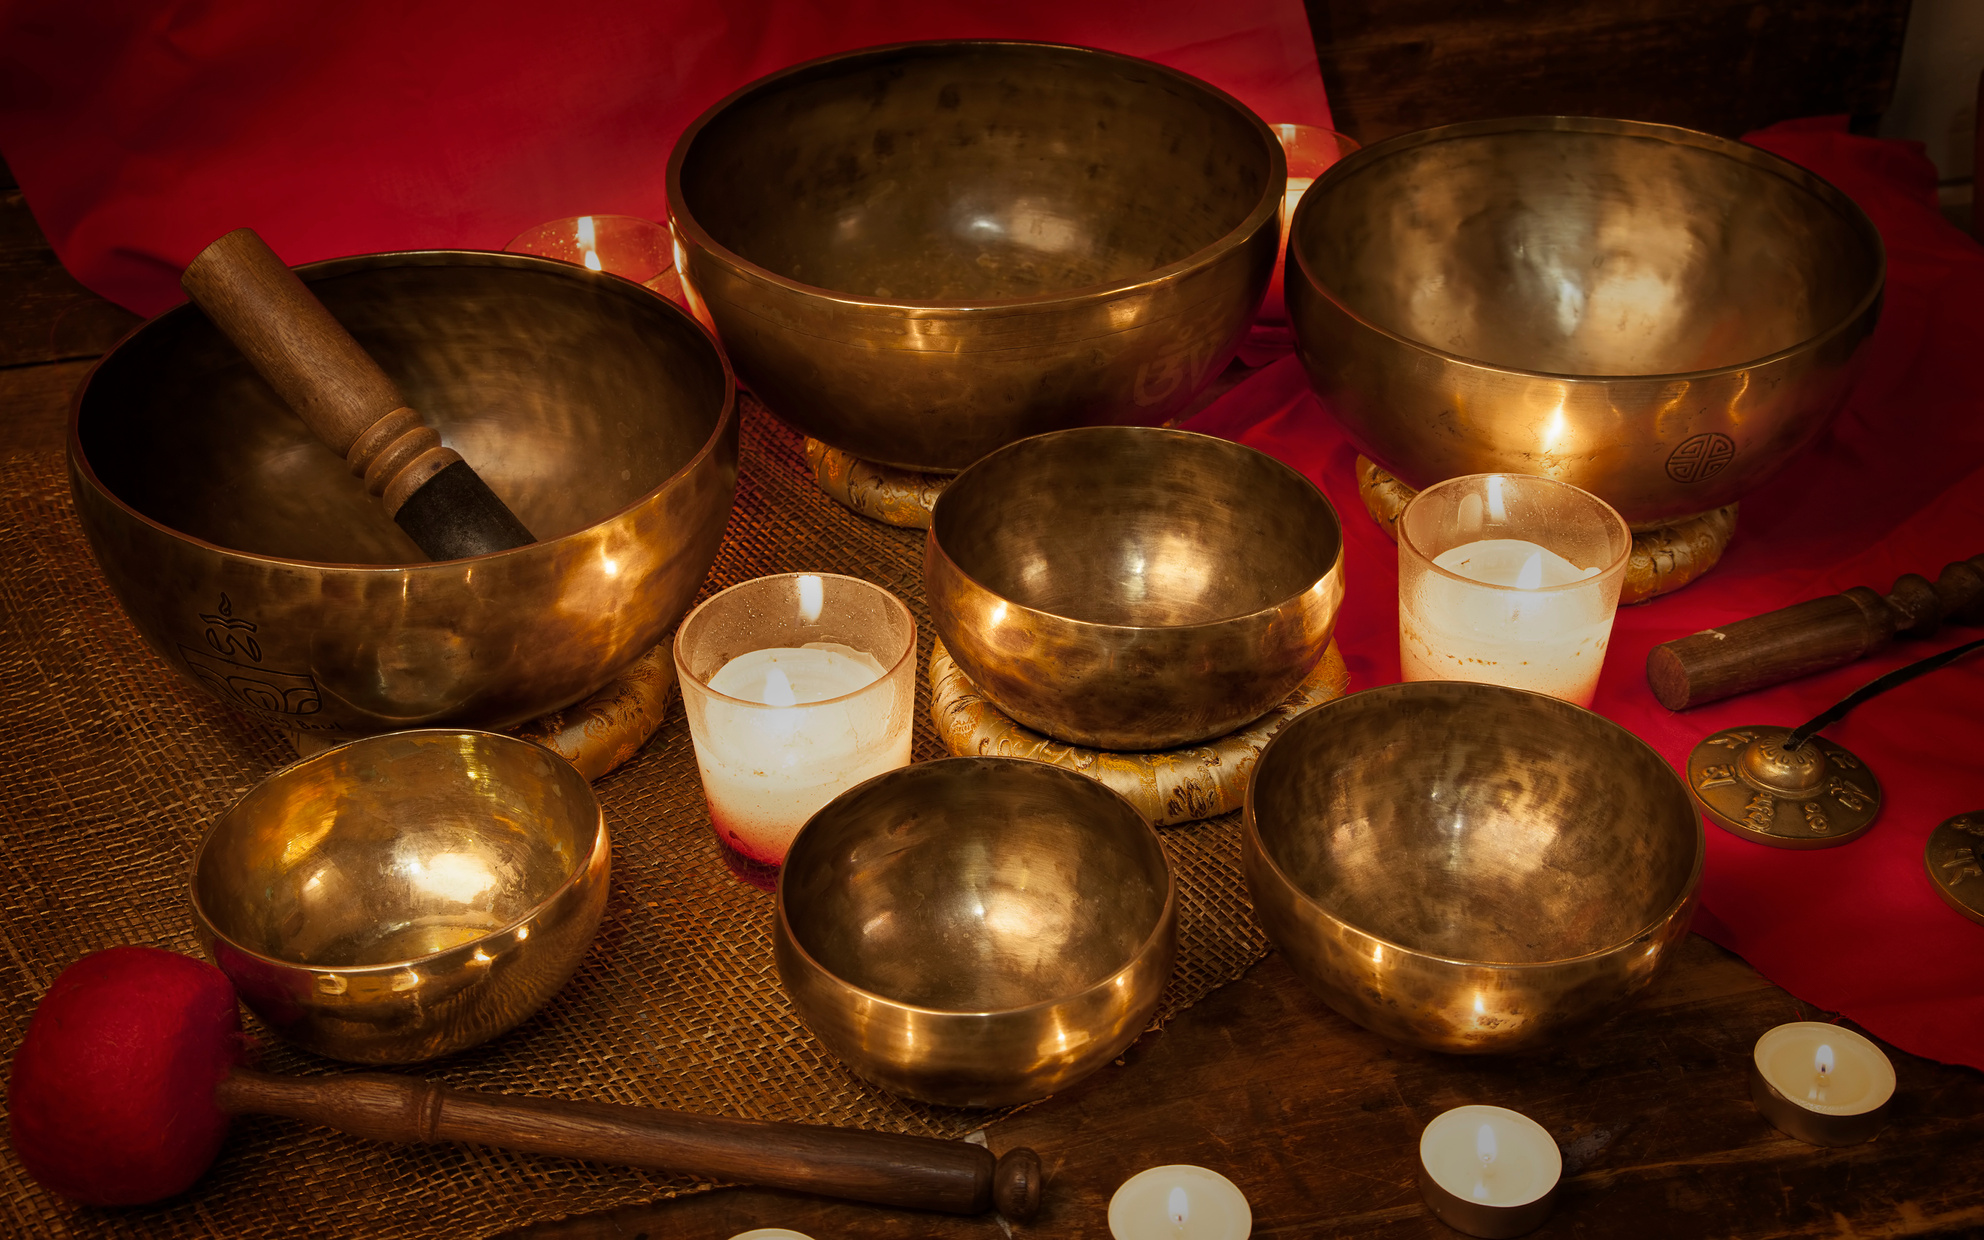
x,y
1659,316
1469,868
254,563
404,896
918,253
1131,588
976,931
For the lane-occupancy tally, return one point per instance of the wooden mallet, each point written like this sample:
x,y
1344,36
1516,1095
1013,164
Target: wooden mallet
x,y
333,384
131,1069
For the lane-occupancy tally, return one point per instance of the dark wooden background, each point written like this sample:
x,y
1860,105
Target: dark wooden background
x,y
1317,1120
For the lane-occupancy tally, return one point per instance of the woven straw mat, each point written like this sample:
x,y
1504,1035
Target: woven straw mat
x,y
115,767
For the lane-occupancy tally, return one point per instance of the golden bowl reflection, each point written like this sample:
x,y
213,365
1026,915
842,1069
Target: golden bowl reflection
x,y
404,896
1467,867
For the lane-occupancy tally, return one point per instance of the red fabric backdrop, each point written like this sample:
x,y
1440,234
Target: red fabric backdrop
x,y
140,131
1895,485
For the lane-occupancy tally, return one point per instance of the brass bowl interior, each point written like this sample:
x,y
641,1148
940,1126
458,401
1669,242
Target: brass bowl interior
x,y
572,397
394,849
1474,823
971,172
968,887
1585,253
1138,527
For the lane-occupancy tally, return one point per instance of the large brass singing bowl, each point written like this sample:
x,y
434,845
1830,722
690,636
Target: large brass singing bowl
x,y
253,561
1469,868
976,931
921,252
1131,588
404,896
1659,316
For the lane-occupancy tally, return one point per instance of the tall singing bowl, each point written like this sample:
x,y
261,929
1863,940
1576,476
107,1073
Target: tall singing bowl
x,y
918,253
1469,868
254,563
404,896
1659,316
1133,588
976,931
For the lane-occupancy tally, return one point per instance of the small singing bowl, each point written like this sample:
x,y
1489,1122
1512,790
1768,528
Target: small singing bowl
x,y
1657,316
976,931
1133,588
404,896
1469,868
918,253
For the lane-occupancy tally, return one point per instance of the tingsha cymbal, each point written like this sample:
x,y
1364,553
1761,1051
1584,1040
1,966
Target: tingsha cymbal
x,y
1955,861
1815,795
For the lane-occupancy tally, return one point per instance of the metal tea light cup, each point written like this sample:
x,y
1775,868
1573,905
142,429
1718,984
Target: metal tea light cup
x,y
404,896
770,759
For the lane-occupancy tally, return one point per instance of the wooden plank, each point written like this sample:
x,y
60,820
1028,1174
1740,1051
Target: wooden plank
x,y
1726,66
1319,1122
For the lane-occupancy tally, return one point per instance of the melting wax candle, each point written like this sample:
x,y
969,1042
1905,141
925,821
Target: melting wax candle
x,y
1179,1202
1489,1171
1823,1084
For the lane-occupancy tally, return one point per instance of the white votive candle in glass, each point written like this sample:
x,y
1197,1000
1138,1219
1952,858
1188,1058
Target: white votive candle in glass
x,y
797,687
1489,1171
1509,579
1820,1083
1180,1202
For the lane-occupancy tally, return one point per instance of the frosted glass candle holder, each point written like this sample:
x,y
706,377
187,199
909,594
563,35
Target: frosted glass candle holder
x,y
1509,579
621,245
797,687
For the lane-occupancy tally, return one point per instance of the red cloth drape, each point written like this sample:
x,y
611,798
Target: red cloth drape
x,y
140,131
1895,485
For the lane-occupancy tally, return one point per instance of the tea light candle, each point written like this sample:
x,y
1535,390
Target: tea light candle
x,y
623,245
1512,580
1823,1084
1179,1202
1489,1171
797,688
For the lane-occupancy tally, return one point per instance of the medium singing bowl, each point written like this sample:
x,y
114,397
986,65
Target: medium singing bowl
x,y
1469,868
921,252
1659,316
1131,588
253,561
404,896
976,931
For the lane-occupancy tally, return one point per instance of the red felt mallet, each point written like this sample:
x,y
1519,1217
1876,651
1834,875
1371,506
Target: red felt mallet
x,y
123,1088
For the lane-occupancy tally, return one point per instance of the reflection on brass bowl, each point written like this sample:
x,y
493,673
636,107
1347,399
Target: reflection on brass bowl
x,y
255,563
976,931
1469,868
1659,316
404,896
921,252
1131,588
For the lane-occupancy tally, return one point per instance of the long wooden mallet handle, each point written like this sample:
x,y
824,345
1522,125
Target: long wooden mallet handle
x,y
919,1173
312,362
1811,637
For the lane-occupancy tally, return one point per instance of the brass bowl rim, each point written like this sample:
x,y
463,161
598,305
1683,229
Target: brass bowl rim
x,y
1166,916
601,840
726,413
1616,567
682,669
1096,626
1678,135
1252,839
685,223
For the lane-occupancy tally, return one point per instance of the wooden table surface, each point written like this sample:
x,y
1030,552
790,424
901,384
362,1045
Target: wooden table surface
x,y
1315,1119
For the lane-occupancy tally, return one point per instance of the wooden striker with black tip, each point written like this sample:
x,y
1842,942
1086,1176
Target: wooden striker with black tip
x,y
347,401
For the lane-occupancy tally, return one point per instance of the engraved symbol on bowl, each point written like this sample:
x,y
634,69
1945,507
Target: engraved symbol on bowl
x,y
1701,457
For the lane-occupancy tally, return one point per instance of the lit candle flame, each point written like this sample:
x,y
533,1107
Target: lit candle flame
x,y
1179,1207
1822,1062
1496,511
591,261
812,597
778,690
1822,1066
1531,575
587,237
1484,1145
